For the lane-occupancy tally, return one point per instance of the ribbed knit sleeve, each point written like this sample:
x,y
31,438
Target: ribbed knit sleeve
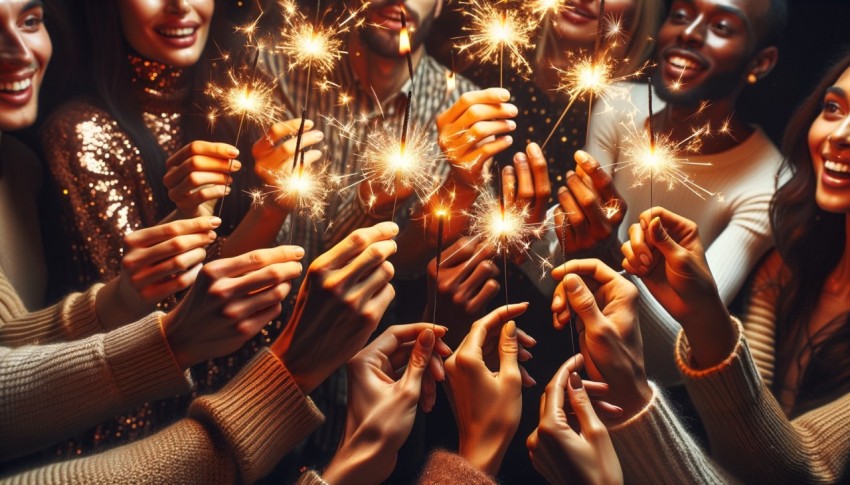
x,y
72,318
751,436
653,447
311,478
233,436
53,391
446,468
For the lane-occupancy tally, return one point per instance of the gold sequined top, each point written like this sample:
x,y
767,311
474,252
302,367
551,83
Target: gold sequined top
x,y
100,174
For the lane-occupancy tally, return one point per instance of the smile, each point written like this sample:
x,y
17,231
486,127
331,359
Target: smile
x,y
16,86
177,32
842,169
683,62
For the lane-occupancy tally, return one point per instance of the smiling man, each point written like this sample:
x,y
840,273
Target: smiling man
x,y
707,52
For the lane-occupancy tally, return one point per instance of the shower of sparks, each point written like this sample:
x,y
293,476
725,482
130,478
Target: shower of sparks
x,y
540,9
249,98
590,78
611,208
451,82
505,228
497,30
390,163
662,163
302,189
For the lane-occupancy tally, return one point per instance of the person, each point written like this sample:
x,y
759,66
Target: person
x,y
121,160
708,51
242,431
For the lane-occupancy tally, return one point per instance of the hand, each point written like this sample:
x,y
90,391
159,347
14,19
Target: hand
x,y
527,183
566,450
382,398
609,335
198,175
158,262
272,154
230,302
683,284
468,129
592,207
341,301
465,288
487,405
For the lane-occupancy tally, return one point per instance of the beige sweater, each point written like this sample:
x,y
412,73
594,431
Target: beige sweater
x,y
49,391
750,436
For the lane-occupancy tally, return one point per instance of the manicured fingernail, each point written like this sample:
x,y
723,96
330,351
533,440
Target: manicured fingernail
x,y
535,150
236,165
519,157
575,381
232,152
562,189
581,156
215,221
645,259
556,301
643,224
512,110
509,140
299,252
504,94
212,235
512,124
427,338
510,329
573,284
617,410
320,135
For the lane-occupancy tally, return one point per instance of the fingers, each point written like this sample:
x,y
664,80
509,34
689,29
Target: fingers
x,y
468,99
151,236
581,300
164,288
595,269
395,336
524,179
509,181
253,324
418,363
479,302
187,175
540,172
252,261
277,132
553,398
590,205
203,148
153,273
508,352
257,301
355,244
602,180
591,426
478,333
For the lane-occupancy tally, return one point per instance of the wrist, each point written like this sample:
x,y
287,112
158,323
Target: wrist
x,y
633,399
358,462
175,344
711,334
484,453
115,308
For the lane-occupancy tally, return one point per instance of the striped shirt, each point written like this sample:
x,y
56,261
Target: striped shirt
x,y
340,99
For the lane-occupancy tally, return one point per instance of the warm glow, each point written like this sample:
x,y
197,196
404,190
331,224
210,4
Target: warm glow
x,y
451,81
498,34
404,42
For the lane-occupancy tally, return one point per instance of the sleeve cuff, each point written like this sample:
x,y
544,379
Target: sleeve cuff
x,y
262,414
446,468
728,385
311,478
80,314
142,363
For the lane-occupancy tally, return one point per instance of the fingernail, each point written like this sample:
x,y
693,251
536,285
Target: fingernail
x,y
427,338
512,124
535,150
215,221
573,284
533,381
643,224
237,165
232,152
617,410
510,329
581,156
509,140
227,190
512,110
504,94
645,260
575,381
394,228
212,235
659,231
299,252
562,189
556,301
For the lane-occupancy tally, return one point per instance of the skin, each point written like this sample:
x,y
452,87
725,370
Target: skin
x,y
829,140
146,23
25,52
576,28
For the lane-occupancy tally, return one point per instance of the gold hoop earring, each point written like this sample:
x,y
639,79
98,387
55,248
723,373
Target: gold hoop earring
x,y
752,78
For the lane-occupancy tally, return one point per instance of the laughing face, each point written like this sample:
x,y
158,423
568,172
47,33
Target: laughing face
x,y
829,147
25,49
706,49
383,24
173,32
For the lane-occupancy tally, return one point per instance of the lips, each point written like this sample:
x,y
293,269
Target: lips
x,y
176,32
837,169
179,35
15,86
389,17
578,14
682,65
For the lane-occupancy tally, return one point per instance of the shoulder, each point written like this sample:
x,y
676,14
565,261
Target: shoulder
x,y
76,125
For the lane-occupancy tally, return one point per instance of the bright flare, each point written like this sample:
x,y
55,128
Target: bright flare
x,y
497,30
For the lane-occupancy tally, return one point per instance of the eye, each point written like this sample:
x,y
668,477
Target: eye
x,y
831,109
679,16
32,21
722,27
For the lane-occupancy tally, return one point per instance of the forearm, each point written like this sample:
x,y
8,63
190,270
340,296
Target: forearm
x,y
72,318
114,310
48,390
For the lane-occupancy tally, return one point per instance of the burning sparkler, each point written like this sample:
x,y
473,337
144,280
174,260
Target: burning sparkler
x,y
302,189
440,214
496,30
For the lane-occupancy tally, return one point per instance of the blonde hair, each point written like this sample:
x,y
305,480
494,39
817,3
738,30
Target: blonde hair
x,y
644,26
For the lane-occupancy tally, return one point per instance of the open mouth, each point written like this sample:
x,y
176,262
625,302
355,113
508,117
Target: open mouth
x,y
837,169
684,63
176,32
14,87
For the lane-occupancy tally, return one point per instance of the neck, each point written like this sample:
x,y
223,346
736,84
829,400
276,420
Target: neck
x,y
383,75
679,121
158,80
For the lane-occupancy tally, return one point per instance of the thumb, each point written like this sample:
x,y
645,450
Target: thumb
x,y
509,350
661,239
580,402
419,358
582,301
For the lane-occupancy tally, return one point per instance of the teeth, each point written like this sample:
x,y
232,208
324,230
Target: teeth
x,y
836,167
682,62
181,32
15,86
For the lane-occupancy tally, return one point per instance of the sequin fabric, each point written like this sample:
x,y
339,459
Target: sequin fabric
x,y
104,195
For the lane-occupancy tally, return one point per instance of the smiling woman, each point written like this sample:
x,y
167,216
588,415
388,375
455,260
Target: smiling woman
x,y
175,34
25,55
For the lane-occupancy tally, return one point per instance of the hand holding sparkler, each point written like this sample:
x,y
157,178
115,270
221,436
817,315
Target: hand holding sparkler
x,y
593,207
469,131
567,450
606,304
487,404
526,183
465,286
198,175
665,251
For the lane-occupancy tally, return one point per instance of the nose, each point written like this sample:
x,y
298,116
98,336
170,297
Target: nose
x,y
840,137
13,49
179,7
694,33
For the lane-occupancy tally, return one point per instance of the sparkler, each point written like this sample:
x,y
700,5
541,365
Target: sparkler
x,y
251,101
302,189
440,214
564,257
495,32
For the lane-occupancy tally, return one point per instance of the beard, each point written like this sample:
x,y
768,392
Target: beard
x,y
717,86
384,42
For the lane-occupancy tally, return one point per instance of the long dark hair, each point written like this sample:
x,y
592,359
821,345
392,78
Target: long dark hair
x,y
110,86
811,242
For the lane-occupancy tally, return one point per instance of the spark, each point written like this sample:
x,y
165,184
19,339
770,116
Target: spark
x,y
302,189
496,32
611,208
542,8
251,99
502,226
392,164
451,82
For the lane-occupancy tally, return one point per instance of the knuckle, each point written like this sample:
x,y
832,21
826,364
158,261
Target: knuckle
x,y
280,291
466,98
196,147
358,239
